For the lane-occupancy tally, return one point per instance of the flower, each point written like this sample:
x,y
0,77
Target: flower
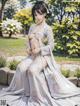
x,y
11,25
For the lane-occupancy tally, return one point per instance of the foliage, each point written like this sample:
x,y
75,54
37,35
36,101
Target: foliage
x,y
66,27
22,3
67,37
13,64
9,12
66,73
24,16
33,1
4,4
2,62
65,20
58,10
11,26
77,73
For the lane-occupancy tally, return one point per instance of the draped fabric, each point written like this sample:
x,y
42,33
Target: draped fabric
x,y
36,85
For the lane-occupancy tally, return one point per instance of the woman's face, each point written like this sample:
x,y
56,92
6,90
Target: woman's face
x,y
39,17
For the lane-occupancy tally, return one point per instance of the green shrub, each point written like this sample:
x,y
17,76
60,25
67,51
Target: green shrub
x,y
66,73
72,73
77,73
11,26
13,64
67,37
2,62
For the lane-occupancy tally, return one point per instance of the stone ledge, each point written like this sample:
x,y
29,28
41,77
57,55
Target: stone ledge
x,y
10,76
75,81
6,76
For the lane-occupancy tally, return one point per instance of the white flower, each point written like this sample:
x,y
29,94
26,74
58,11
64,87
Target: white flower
x,y
11,25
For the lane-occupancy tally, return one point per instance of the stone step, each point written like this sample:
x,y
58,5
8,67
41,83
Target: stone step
x,y
6,76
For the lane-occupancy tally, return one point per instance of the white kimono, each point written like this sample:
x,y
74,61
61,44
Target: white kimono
x,y
34,84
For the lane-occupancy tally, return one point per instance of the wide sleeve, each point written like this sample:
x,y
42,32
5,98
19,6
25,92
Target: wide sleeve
x,y
29,32
45,50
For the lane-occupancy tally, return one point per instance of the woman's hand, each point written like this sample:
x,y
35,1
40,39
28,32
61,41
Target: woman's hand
x,y
36,51
29,51
33,52
31,36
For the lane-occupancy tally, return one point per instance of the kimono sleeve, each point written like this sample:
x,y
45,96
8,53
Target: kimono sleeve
x,y
30,31
45,50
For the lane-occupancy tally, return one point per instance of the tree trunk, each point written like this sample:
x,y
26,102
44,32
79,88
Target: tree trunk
x,y
1,14
77,82
1,35
10,34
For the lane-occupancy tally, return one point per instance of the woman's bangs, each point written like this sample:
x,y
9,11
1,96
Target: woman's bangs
x,y
39,11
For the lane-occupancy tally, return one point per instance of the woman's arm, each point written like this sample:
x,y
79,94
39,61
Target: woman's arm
x,y
28,44
32,42
45,50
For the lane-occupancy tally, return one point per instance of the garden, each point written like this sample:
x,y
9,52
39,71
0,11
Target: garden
x,y
14,26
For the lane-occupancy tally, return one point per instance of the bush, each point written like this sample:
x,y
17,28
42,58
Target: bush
x,y
66,73
25,17
77,73
2,62
67,37
11,26
13,64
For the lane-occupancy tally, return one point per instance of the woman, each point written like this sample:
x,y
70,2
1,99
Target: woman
x,y
38,80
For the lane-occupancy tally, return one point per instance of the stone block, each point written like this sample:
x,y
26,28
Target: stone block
x,y
10,76
4,75
73,80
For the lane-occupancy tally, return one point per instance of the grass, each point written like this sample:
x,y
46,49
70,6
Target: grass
x,y
62,59
17,47
12,46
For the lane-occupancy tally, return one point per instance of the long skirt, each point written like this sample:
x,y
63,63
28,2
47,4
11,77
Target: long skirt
x,y
39,82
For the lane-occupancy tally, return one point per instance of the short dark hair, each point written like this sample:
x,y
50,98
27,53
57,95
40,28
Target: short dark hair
x,y
41,7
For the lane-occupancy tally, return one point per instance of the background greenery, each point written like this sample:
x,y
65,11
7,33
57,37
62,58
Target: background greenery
x,y
17,47
12,46
64,20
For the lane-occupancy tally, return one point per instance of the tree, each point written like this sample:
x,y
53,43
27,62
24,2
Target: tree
x,y
58,10
33,1
10,9
22,3
3,3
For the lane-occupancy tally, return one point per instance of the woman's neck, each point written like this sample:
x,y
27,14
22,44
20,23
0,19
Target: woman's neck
x,y
41,24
